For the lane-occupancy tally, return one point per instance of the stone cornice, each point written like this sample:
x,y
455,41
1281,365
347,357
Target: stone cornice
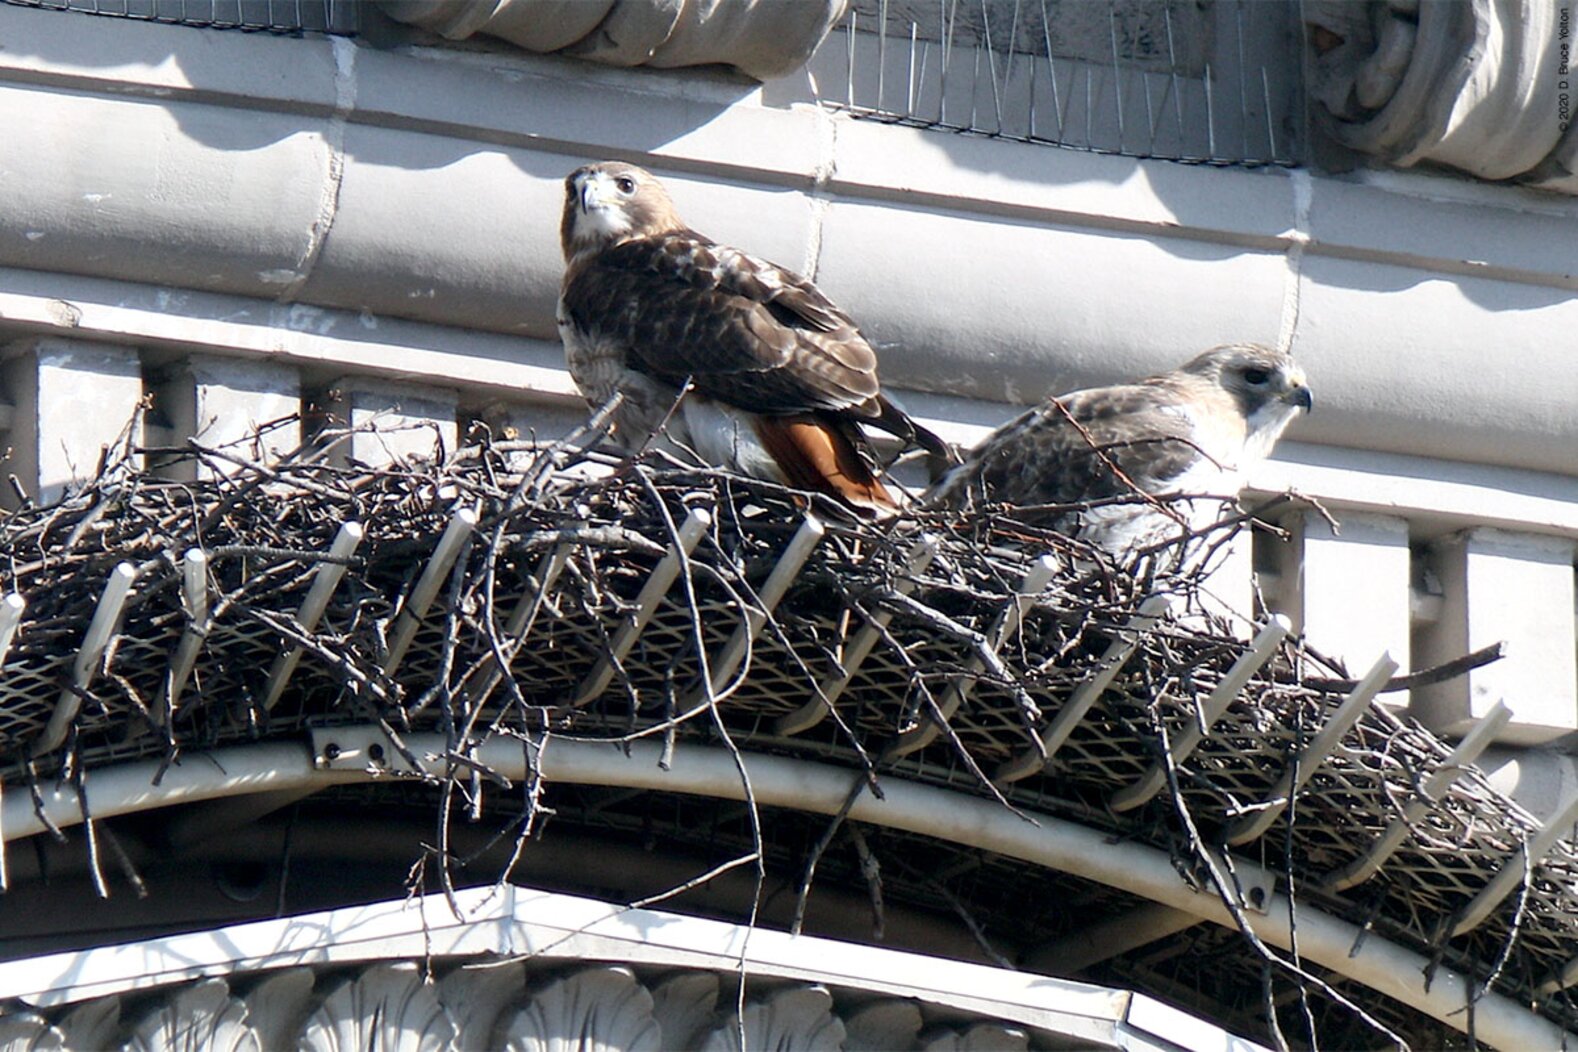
x,y
425,183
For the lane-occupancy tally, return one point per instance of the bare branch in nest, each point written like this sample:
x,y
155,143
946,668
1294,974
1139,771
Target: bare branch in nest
x,y
552,573
1460,666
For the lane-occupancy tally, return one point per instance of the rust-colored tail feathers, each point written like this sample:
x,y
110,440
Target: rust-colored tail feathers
x,y
814,454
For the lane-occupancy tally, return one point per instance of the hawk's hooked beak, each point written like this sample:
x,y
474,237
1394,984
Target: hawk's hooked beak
x,y
591,194
1298,394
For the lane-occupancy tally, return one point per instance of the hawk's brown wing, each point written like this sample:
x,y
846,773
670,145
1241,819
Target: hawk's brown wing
x,y
744,331
1089,445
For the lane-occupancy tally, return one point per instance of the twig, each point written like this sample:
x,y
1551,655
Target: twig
x,y
1424,677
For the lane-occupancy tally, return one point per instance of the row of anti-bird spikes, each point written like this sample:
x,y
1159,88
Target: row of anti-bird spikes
x,y
1107,82
1257,819
726,663
195,596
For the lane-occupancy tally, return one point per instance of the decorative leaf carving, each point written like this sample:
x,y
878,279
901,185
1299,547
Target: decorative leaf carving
x,y
198,1018
794,1019
982,1037
389,1007
26,1032
92,1024
475,994
883,1025
595,1010
277,1006
684,1004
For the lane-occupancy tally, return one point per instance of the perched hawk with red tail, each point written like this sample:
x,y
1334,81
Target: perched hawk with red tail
x,y
781,381
1122,453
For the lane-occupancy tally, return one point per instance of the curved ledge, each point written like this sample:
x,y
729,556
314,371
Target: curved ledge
x,y
1048,841
426,184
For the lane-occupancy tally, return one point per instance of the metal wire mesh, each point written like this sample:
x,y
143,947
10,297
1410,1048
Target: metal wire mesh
x,y
279,16
1208,82
266,528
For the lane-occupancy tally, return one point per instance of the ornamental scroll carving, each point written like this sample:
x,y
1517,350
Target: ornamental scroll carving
x,y
404,1006
762,38
1484,86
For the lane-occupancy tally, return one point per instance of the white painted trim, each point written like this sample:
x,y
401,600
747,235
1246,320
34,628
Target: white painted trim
x,y
516,921
340,341
1048,841
1446,494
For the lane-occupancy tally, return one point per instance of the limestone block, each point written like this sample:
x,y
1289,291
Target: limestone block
x,y
1500,585
70,400
540,423
391,422
1354,588
223,402
1421,386
1230,589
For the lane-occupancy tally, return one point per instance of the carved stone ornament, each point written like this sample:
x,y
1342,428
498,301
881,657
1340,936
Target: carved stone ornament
x,y
92,1024
509,1005
982,1037
794,1019
1477,86
26,1032
475,995
197,1019
390,1007
683,1005
882,1025
596,1010
762,38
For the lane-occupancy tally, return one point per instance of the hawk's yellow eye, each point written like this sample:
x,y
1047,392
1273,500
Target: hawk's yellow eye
x,y
625,184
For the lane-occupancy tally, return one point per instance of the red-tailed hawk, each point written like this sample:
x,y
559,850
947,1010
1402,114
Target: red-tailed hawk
x,y
1190,432
782,382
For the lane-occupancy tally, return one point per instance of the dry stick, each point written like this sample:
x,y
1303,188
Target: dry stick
x,y
697,881
710,696
1287,871
808,874
95,866
970,922
978,644
1230,901
128,869
441,683
934,710
271,475
871,870
1123,476
39,810
532,807
1424,677
1513,931
723,731
361,682
531,480
502,659
284,859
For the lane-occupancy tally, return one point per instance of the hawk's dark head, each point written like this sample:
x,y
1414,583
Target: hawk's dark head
x,y
1254,376
610,202
1266,386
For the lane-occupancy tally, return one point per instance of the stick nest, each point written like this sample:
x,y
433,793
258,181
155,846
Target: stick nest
x,y
933,700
